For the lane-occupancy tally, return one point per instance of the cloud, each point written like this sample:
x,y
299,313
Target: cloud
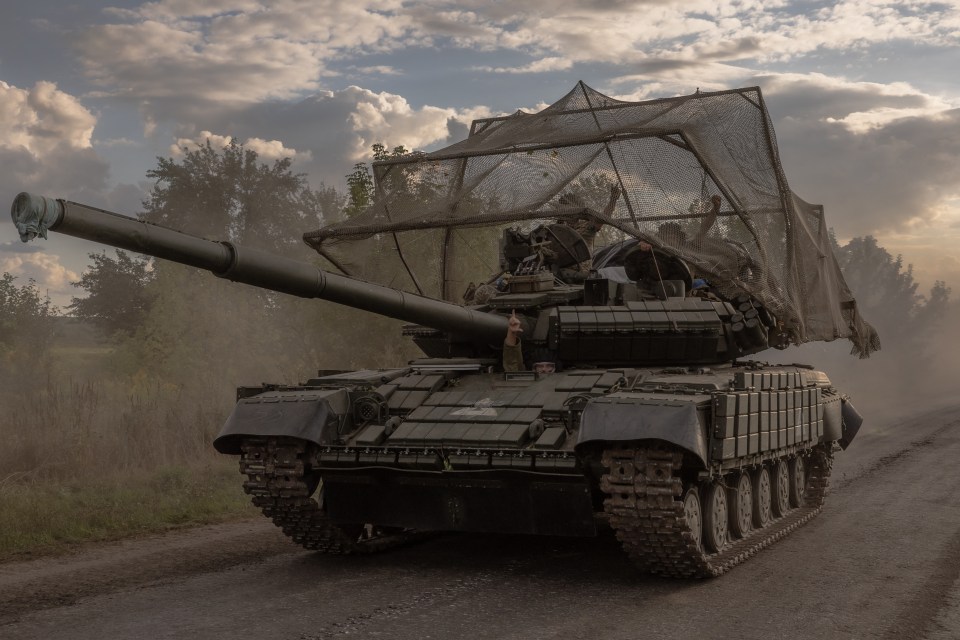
x,y
537,66
384,116
695,32
856,105
45,143
179,58
268,150
335,129
381,69
44,268
234,52
43,119
880,158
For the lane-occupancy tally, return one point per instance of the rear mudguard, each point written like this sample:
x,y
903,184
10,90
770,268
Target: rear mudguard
x,y
851,423
622,419
315,416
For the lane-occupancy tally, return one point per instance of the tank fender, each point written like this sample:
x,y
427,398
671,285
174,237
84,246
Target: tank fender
x,y
851,422
621,419
313,415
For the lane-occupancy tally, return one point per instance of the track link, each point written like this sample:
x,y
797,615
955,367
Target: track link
x,y
278,478
644,502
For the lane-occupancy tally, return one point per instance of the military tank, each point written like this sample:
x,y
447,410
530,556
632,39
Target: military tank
x,y
631,401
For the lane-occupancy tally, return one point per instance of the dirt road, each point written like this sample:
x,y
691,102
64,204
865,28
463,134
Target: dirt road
x,y
881,561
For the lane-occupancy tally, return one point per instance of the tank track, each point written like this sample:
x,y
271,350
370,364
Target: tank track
x,y
644,503
278,479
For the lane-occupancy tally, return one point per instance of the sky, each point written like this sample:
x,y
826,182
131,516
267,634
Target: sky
x,y
864,94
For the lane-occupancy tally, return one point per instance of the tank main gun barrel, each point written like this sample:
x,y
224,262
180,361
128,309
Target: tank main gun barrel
x,y
34,215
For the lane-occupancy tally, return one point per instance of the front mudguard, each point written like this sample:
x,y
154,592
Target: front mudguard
x,y
317,416
624,419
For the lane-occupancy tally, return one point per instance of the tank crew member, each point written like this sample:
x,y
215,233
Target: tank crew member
x,y
512,352
587,224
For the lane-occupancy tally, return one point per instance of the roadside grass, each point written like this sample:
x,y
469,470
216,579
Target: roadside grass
x,y
46,517
109,458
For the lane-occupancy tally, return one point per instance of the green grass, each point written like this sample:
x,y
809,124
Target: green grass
x,y
45,517
94,451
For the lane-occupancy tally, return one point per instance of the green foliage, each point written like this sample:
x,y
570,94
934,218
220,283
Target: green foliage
x,y
24,314
116,299
197,324
360,184
360,190
26,330
47,517
104,458
229,194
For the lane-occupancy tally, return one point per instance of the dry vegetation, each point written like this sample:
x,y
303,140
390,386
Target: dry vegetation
x,y
101,458
104,438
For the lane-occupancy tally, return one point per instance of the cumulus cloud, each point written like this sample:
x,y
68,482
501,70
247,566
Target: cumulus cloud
x,y
268,150
858,106
337,128
238,51
45,143
383,116
44,268
42,119
881,158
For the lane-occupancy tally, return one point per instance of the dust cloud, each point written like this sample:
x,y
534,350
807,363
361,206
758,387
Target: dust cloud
x,y
910,374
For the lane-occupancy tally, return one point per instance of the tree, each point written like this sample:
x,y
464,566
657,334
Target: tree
x,y
25,315
26,329
359,190
116,300
229,194
360,185
200,330
887,294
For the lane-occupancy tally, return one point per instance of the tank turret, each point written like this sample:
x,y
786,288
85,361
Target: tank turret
x,y
634,320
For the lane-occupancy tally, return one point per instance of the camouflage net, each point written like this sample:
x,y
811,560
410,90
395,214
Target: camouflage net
x,y
437,217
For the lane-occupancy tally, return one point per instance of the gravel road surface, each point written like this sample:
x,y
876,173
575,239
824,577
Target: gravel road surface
x,y
881,561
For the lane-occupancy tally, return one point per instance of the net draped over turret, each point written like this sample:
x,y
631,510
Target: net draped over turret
x,y
437,217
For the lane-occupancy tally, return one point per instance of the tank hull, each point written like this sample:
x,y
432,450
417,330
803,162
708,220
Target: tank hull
x,y
428,448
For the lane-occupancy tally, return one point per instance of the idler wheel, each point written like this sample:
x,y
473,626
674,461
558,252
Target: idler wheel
x,y
715,517
693,514
798,481
780,481
762,494
741,506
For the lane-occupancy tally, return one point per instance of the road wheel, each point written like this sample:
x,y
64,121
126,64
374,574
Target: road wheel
x,y
780,483
715,517
741,506
798,481
693,514
762,494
